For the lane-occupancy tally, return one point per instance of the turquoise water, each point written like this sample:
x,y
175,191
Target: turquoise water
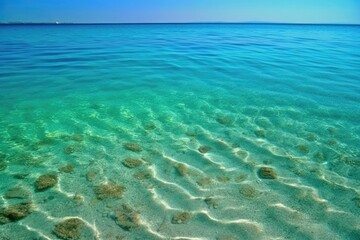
x,y
177,122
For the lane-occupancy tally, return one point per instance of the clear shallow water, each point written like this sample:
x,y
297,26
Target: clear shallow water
x,y
205,107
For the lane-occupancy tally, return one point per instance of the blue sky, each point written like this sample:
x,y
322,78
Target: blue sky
x,y
85,11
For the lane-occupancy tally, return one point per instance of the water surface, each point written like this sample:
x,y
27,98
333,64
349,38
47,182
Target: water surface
x,y
203,109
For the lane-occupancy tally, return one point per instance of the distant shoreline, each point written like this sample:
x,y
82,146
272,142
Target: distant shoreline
x,y
182,23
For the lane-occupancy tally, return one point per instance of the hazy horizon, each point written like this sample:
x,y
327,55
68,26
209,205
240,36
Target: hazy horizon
x,y
200,22
161,11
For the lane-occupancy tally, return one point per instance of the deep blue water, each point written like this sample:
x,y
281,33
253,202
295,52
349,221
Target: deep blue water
x,y
203,107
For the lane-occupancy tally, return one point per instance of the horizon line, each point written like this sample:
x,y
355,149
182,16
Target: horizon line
x,y
200,22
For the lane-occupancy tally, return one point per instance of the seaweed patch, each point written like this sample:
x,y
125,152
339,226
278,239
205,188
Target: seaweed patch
x,y
109,190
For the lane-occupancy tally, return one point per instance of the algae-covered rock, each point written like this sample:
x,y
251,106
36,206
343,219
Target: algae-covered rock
x,y
150,127
204,149
43,143
24,158
47,141
79,199
267,173
45,181
303,148
191,133
223,179
132,163
90,175
69,149
260,133
351,161
67,168
311,137
20,175
357,202
127,218
17,192
3,165
69,229
319,156
248,191
181,169
77,138
211,202
241,177
132,147
181,218
223,120
109,190
3,219
15,212
332,142
332,130
204,181
142,175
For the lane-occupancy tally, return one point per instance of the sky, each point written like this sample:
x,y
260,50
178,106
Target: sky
x,y
149,11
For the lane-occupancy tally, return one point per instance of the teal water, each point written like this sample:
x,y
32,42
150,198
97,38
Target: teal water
x,y
176,123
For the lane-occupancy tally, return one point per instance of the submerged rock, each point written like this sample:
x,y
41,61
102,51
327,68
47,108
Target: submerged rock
x,y
150,127
260,133
132,147
142,175
191,133
90,175
241,177
46,141
332,142
69,229
3,219
17,192
267,173
303,148
132,163
45,181
223,179
181,169
2,157
69,149
204,181
109,190
21,175
204,149
248,191
3,165
332,130
127,218
211,202
79,199
181,218
351,161
15,212
311,137
77,138
25,158
319,156
42,143
67,168
357,201
223,120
